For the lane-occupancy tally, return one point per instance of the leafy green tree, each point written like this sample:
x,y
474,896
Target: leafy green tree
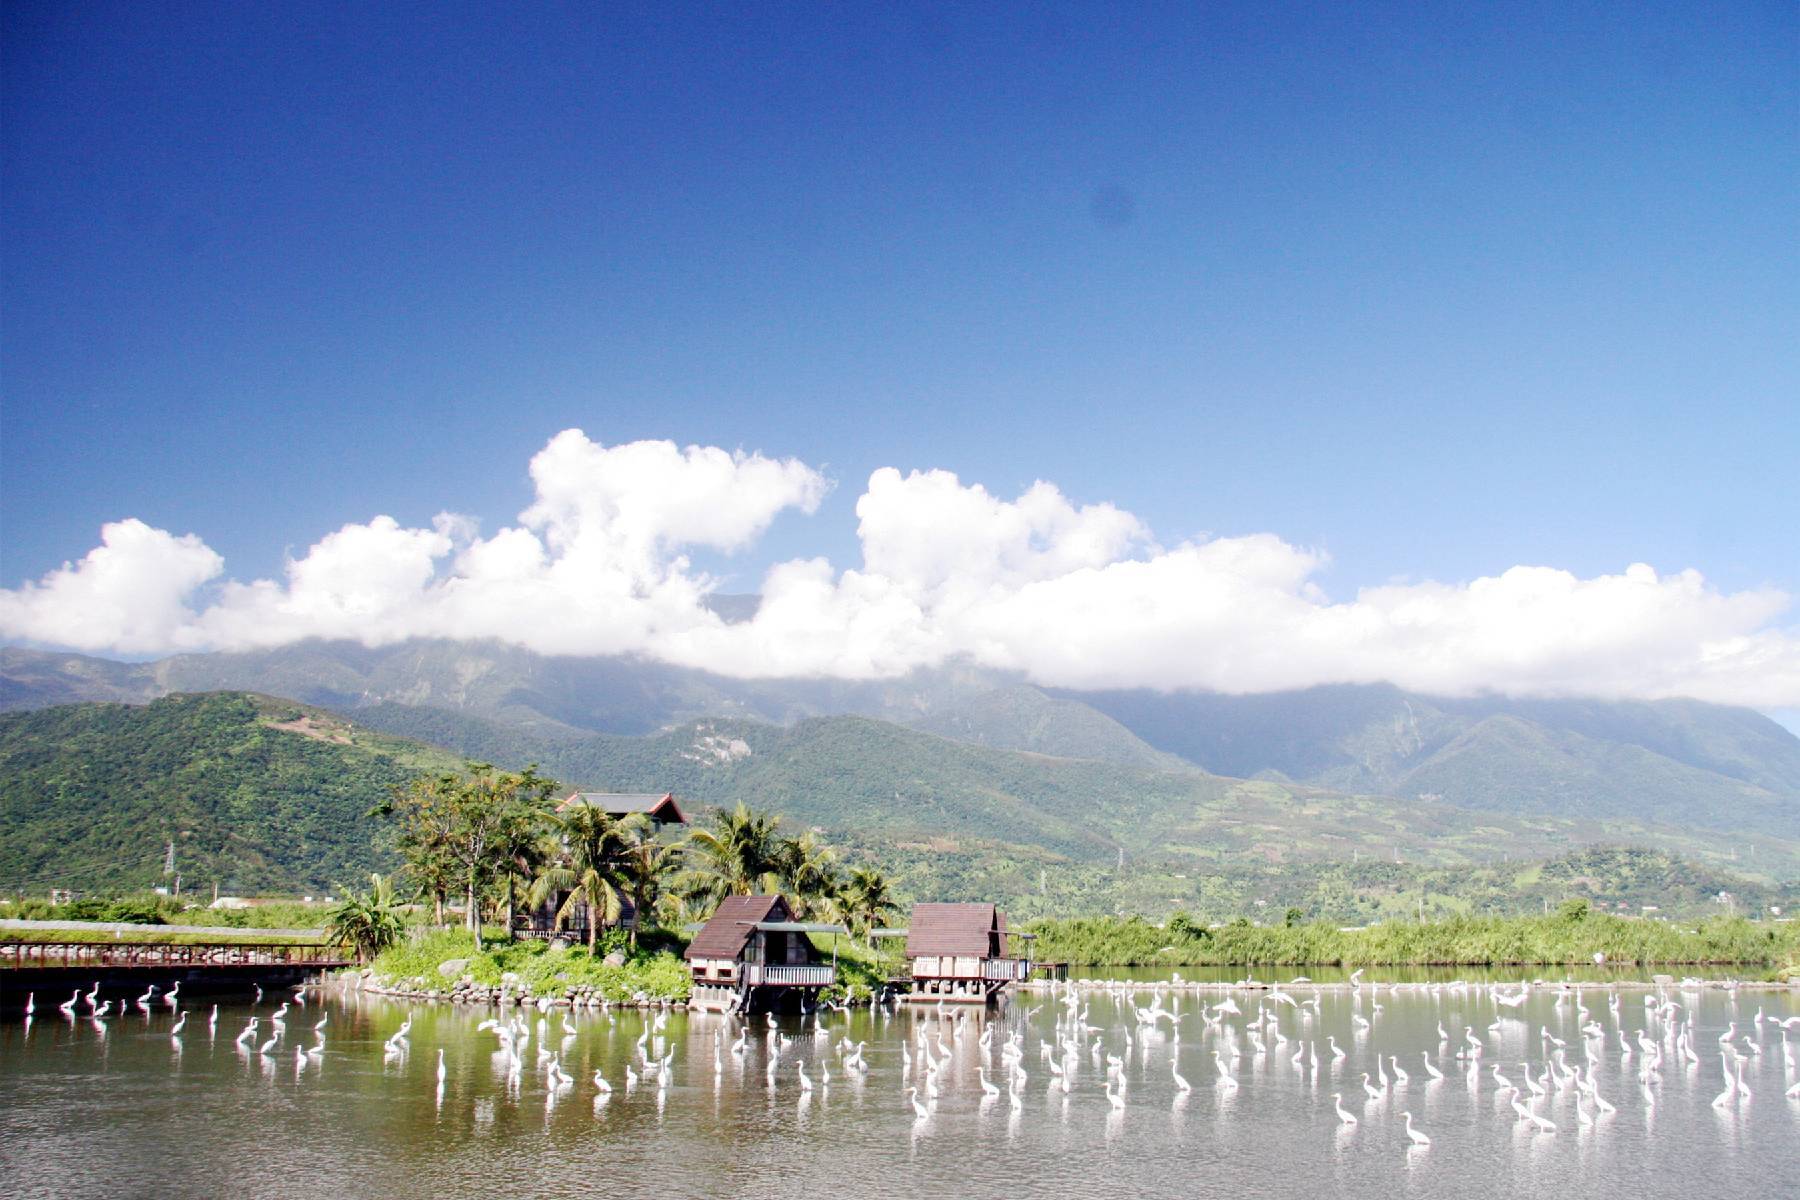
x,y
866,899
809,874
586,872
739,856
366,922
465,830
645,861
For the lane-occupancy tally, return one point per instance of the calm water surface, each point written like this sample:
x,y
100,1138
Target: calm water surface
x,y
129,1112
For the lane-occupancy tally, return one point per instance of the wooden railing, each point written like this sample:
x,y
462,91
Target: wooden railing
x,y
1005,970
170,954
757,974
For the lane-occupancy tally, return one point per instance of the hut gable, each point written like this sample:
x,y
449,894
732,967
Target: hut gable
x,y
724,937
956,931
660,807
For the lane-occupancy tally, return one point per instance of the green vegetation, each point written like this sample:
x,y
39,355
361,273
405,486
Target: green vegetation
x,y
1572,936
466,831
945,816
271,795
150,909
366,922
258,795
862,971
654,972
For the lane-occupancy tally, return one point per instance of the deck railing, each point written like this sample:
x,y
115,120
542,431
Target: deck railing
x,y
1005,970
169,954
817,975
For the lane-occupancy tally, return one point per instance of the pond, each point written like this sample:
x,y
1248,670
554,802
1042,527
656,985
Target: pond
x,y
123,1108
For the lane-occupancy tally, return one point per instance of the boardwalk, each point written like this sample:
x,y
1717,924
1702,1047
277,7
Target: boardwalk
x,y
163,955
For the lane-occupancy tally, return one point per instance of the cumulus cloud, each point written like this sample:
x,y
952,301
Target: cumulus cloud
x,y
129,594
1070,595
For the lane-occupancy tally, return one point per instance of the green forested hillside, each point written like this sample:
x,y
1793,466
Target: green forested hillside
x,y
262,794
952,814
1728,770
257,795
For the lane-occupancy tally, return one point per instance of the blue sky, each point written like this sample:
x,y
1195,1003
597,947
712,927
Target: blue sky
x,y
1434,291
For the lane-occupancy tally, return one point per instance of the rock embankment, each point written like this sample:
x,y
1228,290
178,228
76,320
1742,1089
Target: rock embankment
x,y
511,991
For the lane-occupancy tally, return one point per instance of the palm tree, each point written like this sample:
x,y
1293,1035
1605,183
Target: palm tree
x,y
809,871
643,861
736,857
367,922
586,870
519,863
866,899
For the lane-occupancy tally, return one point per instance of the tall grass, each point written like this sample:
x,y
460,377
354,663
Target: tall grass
x,y
1563,939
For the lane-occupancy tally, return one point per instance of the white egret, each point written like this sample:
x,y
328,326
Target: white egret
x,y
1343,1115
1413,1135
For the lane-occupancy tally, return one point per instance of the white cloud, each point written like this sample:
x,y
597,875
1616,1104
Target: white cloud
x,y
129,594
1071,595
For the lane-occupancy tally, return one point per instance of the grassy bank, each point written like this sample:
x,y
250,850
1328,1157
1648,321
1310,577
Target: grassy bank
x,y
654,971
1569,938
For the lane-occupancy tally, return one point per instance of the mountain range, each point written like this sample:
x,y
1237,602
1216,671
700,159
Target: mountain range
x,y
1676,762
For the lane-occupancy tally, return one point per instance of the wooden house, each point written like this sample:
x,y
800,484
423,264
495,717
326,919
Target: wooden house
x,y
662,810
960,953
752,955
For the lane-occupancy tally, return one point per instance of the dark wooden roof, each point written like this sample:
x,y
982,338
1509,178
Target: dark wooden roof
x,y
729,930
962,930
658,807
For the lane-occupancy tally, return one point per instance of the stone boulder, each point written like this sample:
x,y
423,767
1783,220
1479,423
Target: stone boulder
x,y
450,968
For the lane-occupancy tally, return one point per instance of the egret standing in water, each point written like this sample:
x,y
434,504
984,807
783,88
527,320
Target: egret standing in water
x,y
1413,1135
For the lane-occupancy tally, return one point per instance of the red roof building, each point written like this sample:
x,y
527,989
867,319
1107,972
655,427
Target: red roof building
x,y
960,953
752,955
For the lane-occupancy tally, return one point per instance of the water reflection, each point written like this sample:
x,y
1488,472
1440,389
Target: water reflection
x,y
99,1107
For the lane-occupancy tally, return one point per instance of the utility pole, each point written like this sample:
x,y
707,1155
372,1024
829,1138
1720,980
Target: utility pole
x,y
169,860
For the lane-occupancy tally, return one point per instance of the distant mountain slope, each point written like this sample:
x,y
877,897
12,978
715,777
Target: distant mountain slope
x,y
256,793
1020,717
890,785
261,793
1724,769
1673,760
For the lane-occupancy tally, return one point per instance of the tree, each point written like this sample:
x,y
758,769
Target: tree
x,y
866,900
644,860
520,863
809,873
367,922
587,870
423,810
1573,910
464,830
738,856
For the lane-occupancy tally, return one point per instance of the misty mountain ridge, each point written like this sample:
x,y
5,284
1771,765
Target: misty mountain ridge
x,y
1669,761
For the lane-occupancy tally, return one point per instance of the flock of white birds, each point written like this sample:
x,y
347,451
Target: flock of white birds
x,y
1145,1031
